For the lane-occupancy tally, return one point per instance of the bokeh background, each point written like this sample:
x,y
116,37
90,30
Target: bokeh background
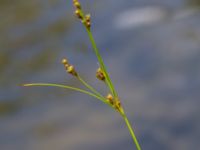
x,y
151,48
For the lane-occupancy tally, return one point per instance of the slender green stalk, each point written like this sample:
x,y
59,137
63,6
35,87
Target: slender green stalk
x,y
67,87
109,82
101,62
102,65
131,132
89,87
111,86
71,88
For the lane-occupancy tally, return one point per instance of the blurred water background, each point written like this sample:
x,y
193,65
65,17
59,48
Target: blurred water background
x,y
151,48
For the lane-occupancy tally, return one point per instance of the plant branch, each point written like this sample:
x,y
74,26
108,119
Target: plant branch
x,y
89,87
66,87
102,65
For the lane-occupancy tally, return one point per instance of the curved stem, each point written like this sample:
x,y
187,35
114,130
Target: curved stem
x,y
89,87
66,87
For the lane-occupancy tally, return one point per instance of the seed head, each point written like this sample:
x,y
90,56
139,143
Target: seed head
x,y
66,66
117,105
109,97
75,1
100,75
87,17
65,61
71,70
88,25
77,5
78,14
88,21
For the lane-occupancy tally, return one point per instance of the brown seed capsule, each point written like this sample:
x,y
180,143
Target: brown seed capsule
x,y
66,66
109,97
100,75
77,5
87,21
64,61
74,1
71,70
78,14
87,17
88,25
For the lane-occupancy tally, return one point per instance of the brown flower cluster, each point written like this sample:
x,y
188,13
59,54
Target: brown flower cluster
x,y
85,19
69,68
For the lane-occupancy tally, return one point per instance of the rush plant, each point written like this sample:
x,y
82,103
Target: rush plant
x,y
112,98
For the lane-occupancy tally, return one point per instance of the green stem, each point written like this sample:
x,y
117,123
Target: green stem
x,y
111,86
67,87
102,65
109,83
89,87
71,88
131,132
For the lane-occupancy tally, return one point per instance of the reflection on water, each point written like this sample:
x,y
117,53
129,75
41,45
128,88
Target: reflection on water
x,y
159,59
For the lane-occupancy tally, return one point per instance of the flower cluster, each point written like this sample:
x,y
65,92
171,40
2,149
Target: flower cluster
x,y
100,75
113,101
85,19
69,68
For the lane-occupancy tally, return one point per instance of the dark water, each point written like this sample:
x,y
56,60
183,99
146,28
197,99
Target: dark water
x,y
152,50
